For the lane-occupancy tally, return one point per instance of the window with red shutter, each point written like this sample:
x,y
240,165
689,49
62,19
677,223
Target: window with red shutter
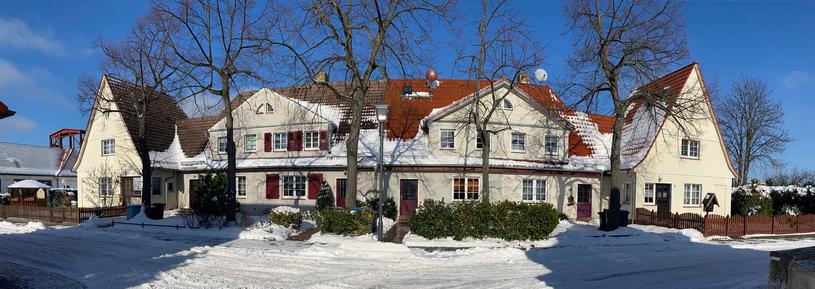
x,y
267,142
292,141
299,136
273,186
315,181
323,140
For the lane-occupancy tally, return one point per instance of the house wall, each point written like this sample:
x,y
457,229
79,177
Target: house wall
x,y
663,164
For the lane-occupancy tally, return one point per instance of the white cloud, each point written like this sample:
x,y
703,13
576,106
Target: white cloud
x,y
797,79
32,84
17,34
16,124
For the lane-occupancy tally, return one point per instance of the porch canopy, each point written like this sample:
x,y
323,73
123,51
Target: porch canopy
x,y
28,193
28,184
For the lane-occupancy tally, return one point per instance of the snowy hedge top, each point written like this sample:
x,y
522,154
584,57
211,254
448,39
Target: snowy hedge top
x,y
766,190
286,209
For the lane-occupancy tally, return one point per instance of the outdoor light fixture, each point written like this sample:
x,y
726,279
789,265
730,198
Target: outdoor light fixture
x,y
381,116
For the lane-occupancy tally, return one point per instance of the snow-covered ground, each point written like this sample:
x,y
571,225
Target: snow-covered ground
x,y
579,256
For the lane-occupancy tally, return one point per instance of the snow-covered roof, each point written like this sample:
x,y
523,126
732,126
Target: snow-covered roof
x,y
28,184
23,159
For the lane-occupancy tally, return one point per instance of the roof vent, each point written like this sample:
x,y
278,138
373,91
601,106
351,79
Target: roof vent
x,y
407,89
524,77
321,77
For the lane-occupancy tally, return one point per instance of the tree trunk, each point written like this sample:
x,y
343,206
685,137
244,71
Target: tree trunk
x,y
485,164
352,144
146,175
231,166
616,146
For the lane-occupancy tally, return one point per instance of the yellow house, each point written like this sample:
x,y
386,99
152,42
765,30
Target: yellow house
x,y
291,140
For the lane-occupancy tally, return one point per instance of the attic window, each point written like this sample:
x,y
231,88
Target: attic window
x,y
265,108
507,104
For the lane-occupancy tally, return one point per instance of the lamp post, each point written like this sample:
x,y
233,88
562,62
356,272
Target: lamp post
x,y
381,116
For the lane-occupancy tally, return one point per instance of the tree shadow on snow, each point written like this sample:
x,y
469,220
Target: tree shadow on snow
x,y
119,257
584,257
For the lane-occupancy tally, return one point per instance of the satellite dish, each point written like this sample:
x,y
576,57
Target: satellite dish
x,y
541,74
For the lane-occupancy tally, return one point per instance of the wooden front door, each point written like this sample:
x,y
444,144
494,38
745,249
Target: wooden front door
x,y
583,202
408,197
341,193
193,195
663,199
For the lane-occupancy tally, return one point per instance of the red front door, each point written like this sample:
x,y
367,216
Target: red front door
x,y
408,192
341,193
583,202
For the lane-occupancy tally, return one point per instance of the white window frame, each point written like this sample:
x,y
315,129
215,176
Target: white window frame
x,y
504,104
537,190
547,143
240,186
284,138
108,147
137,186
254,147
691,197
225,144
447,142
687,146
105,186
291,191
650,189
467,193
521,140
311,140
265,108
628,193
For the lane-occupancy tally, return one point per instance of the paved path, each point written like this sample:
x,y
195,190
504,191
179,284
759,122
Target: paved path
x,y
16,276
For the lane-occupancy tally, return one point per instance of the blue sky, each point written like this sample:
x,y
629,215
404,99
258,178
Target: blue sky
x,y
46,45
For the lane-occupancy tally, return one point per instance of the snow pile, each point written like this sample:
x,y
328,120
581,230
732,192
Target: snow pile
x,y
12,228
286,209
266,231
766,190
175,224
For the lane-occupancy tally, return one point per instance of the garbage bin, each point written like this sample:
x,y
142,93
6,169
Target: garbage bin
x,y
156,211
132,210
623,218
603,221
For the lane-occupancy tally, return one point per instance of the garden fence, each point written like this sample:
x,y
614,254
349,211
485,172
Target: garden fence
x,y
731,226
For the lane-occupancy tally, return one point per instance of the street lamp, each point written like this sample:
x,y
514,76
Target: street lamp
x,y
381,116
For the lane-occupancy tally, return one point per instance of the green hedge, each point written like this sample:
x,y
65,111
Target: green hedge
x,y
290,220
345,222
389,207
505,220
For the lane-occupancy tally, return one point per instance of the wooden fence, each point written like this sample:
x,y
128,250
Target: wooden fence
x,y
58,215
731,226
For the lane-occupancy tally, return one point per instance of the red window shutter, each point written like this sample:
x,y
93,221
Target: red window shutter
x,y
267,142
273,186
298,136
315,181
291,140
323,140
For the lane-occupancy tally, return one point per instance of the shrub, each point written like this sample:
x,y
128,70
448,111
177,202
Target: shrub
x,y
389,207
505,220
286,216
211,204
325,200
752,202
345,222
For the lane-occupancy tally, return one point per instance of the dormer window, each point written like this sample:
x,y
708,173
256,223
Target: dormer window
x,y
507,105
265,109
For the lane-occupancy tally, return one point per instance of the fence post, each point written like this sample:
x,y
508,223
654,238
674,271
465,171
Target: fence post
x,y
727,225
772,225
797,225
744,227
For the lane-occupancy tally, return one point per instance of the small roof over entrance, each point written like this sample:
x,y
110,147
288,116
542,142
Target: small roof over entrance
x,y
28,184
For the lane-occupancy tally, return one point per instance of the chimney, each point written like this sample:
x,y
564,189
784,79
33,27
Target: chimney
x,y
321,76
523,77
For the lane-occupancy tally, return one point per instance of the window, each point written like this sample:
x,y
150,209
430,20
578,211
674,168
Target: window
x,y
265,108
250,143
294,186
627,193
222,145
692,194
649,194
518,142
105,186
447,139
690,148
507,104
281,141
465,188
241,186
551,144
108,147
156,186
534,190
137,185
312,140
479,141
170,187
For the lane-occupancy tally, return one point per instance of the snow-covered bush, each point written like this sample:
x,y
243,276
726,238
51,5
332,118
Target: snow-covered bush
x,y
389,207
505,220
286,216
345,222
748,201
325,200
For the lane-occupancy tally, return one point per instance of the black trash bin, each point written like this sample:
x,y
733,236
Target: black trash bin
x,y
623,218
603,221
156,211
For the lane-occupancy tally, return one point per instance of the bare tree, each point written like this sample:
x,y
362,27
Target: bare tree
x,y
214,52
504,47
100,183
621,46
359,42
752,126
137,66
